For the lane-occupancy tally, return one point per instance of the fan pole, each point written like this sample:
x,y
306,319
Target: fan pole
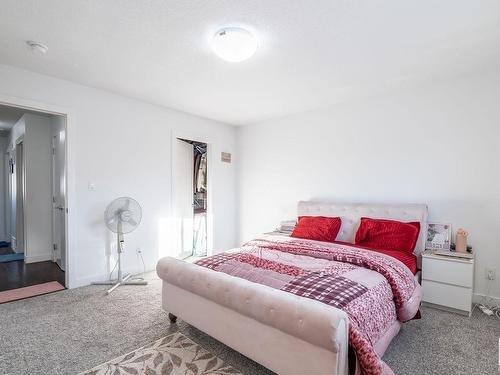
x,y
119,248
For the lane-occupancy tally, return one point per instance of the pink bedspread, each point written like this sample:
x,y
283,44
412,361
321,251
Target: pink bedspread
x,y
373,289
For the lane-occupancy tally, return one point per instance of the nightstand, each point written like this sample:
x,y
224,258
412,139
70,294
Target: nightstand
x,y
447,282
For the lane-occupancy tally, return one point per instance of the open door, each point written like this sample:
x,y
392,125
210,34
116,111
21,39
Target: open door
x,y
183,198
19,198
59,197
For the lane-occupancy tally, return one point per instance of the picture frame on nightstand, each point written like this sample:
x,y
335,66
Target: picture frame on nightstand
x,y
438,236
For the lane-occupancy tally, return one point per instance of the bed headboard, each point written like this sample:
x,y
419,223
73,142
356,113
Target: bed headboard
x,y
350,213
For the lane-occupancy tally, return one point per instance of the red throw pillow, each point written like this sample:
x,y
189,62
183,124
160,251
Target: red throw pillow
x,y
388,234
318,228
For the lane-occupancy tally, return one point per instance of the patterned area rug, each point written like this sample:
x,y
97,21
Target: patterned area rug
x,y
174,354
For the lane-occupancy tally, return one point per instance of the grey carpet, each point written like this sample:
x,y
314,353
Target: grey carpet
x,y
74,330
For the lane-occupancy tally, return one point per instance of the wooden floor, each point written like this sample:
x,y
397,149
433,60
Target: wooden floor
x,y
17,274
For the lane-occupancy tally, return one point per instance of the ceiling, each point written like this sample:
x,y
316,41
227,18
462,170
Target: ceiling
x,y
311,54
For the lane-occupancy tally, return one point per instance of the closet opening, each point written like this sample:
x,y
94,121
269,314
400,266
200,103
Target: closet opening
x,y
191,196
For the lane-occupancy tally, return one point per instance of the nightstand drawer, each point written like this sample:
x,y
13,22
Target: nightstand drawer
x,y
448,271
447,295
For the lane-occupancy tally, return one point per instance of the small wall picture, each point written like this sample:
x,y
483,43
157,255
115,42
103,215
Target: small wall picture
x,y
438,236
225,157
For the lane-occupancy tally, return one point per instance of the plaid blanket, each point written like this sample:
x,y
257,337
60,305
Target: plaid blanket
x,y
373,289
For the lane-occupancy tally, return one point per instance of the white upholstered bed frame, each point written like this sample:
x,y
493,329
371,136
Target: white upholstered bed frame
x,y
288,334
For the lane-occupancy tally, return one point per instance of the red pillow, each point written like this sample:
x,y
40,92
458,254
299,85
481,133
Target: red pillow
x,y
388,234
318,228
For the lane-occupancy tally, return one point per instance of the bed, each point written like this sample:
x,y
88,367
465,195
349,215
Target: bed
x,y
271,316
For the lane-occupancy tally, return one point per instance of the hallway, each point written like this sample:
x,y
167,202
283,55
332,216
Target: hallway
x,y
18,274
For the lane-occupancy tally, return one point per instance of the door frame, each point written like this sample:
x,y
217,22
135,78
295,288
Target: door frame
x,y
177,133
70,173
19,141
184,252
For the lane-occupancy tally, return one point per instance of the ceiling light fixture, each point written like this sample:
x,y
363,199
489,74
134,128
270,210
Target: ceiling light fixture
x,y
234,44
37,46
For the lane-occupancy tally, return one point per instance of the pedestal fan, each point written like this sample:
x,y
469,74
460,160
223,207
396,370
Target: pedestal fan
x,y
122,216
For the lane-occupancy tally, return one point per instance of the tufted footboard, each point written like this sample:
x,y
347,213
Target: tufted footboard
x,y
283,332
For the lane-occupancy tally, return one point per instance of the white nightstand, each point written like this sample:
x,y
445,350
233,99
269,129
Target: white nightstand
x,y
447,282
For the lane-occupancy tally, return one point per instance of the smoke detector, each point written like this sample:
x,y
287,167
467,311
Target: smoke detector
x,y
37,47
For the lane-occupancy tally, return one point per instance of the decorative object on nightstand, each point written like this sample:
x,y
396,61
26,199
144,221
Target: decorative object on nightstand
x,y
447,282
438,236
461,241
459,249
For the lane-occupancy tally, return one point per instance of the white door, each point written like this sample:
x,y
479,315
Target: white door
x,y
183,198
19,198
59,197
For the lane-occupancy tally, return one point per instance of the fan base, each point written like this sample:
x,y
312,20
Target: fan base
x,y
117,283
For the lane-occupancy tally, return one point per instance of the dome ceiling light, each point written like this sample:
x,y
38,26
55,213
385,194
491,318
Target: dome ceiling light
x,y
234,44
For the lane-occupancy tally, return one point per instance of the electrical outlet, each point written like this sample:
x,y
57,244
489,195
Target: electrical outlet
x,y
490,273
140,260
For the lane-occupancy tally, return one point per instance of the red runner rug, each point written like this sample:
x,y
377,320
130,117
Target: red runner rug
x,y
30,291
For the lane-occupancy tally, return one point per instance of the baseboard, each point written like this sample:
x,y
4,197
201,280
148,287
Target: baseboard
x,y
478,298
87,280
445,308
38,258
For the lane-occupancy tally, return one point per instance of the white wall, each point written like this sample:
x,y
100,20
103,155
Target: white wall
x,y
16,132
35,132
123,146
38,207
437,145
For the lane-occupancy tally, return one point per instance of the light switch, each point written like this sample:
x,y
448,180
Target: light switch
x,y
91,186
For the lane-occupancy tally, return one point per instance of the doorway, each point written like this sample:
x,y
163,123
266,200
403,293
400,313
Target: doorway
x,y
190,182
32,198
